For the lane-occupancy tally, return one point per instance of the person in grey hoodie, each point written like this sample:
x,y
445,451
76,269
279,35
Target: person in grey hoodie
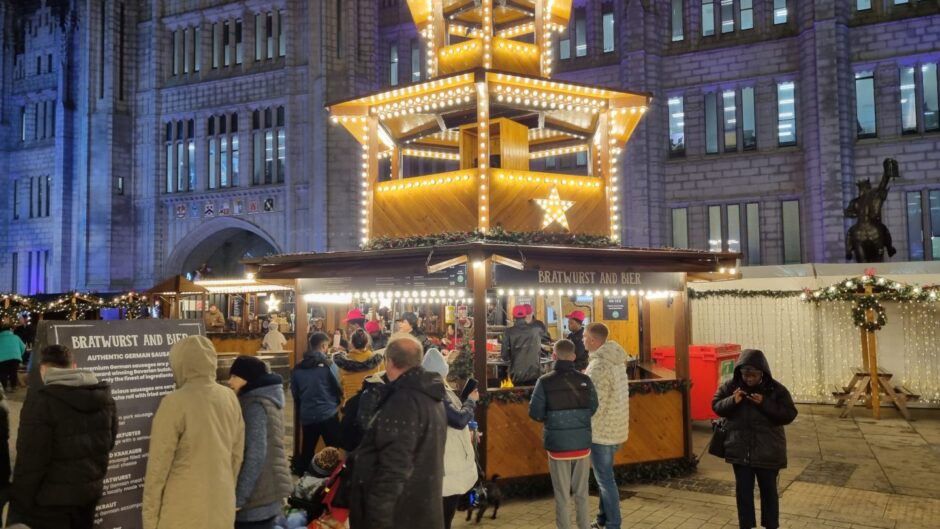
x,y
264,480
68,426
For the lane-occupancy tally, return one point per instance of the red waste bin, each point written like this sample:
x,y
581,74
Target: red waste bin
x,y
709,366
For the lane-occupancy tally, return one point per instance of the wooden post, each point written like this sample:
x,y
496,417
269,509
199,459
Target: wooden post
x,y
870,351
480,274
300,345
680,307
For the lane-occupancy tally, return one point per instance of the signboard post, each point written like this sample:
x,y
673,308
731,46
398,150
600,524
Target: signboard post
x,y
133,357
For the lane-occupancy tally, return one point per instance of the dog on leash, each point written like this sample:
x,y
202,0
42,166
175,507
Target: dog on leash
x,y
483,496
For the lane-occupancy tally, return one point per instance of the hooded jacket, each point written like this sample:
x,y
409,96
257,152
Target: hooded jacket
x,y
354,367
460,467
264,480
67,428
755,431
608,371
360,409
314,384
522,346
581,355
565,400
197,443
398,470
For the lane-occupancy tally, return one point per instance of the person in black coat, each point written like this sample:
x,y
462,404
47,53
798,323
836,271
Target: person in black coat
x,y
576,335
68,426
398,470
521,350
756,408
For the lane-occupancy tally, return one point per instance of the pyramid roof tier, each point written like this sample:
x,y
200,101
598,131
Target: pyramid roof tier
x,y
428,114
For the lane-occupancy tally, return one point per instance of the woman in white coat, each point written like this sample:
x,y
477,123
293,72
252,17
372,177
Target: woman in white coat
x,y
460,468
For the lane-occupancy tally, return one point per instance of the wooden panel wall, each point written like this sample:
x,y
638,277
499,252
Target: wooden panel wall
x,y
662,323
514,208
513,145
625,332
427,209
514,441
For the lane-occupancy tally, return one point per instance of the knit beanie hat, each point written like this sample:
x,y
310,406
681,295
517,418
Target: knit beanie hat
x,y
326,461
434,362
248,368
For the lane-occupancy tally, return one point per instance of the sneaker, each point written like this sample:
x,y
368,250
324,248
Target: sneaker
x,y
596,525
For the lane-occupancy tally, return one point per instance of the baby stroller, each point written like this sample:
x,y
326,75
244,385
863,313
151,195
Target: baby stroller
x,y
315,498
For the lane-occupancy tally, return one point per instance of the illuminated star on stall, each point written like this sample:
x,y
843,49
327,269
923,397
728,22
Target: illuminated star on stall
x,y
554,208
273,303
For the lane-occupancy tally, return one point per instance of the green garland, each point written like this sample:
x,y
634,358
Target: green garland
x,y
75,305
651,472
496,234
859,317
524,395
737,293
883,289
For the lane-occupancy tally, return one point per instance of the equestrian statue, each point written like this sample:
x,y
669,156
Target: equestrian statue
x,y
868,238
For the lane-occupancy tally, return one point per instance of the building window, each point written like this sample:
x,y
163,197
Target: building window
x,y
931,97
676,127
715,238
197,48
180,139
727,16
708,18
16,199
415,60
752,223
281,34
862,5
607,22
216,45
780,12
269,142
580,32
734,228
269,34
15,273
677,21
792,252
786,114
749,126
259,37
22,123
711,123
564,46
908,101
393,64
865,105
900,2
38,264
747,14
680,228
730,120
580,159
39,202
915,226
933,202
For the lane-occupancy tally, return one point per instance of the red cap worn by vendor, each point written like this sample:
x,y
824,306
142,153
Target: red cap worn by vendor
x,y
353,315
576,315
373,327
528,309
520,311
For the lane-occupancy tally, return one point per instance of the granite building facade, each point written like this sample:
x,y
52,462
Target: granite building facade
x,y
140,139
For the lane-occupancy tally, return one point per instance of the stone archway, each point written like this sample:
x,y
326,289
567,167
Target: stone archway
x,y
221,243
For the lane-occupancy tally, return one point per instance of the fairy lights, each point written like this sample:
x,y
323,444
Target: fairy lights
x,y
557,152
483,153
437,155
554,208
425,181
548,178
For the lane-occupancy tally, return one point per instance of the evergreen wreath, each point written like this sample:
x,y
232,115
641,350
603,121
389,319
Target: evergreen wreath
x,y
864,304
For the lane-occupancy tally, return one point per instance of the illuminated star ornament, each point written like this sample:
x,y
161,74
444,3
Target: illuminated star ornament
x,y
273,303
554,208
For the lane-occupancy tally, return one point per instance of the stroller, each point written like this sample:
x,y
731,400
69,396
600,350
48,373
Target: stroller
x,y
318,504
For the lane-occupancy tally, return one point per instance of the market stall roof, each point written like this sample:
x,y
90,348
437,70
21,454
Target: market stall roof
x,y
243,286
177,285
405,261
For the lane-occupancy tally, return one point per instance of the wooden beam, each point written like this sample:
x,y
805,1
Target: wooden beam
x,y
300,345
512,263
443,265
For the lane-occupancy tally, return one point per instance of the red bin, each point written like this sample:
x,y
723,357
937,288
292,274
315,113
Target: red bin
x,y
709,366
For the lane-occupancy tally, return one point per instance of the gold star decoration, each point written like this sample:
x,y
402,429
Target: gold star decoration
x,y
554,208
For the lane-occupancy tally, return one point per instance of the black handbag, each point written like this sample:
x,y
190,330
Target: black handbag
x,y
716,446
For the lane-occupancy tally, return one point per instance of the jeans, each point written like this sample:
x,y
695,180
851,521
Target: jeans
x,y
332,436
744,494
570,477
263,524
602,461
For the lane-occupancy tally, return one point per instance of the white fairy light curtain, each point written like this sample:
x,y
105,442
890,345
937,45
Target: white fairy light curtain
x,y
813,347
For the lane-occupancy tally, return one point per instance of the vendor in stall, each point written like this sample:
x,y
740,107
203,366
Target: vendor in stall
x,y
521,349
546,339
408,323
379,340
214,319
576,335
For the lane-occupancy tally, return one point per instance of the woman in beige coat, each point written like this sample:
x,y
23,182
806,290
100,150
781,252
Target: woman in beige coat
x,y
196,446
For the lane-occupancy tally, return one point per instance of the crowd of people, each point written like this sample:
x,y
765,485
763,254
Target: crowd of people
x,y
398,445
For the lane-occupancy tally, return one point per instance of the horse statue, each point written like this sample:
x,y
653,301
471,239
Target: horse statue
x,y
868,239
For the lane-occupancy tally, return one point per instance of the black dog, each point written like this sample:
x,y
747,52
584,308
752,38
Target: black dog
x,y
485,495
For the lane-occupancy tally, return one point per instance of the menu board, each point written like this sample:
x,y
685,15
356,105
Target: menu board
x,y
133,357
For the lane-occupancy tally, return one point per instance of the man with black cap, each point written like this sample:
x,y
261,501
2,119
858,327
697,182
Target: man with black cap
x,y
408,323
576,335
264,480
522,348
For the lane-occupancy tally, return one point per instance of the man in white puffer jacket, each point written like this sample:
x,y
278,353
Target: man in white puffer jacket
x,y
611,424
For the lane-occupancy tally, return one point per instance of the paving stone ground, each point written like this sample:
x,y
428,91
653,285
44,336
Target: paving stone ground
x,y
854,473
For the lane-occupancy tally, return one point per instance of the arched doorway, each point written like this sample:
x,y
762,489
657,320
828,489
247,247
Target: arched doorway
x,y
221,245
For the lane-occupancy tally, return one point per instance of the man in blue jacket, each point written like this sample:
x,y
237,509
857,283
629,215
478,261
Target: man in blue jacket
x,y
314,384
565,400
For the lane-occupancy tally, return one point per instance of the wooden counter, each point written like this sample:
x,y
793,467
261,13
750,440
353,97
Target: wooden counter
x,y
244,344
514,441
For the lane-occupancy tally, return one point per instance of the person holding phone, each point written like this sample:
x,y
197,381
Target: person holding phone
x,y
756,408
